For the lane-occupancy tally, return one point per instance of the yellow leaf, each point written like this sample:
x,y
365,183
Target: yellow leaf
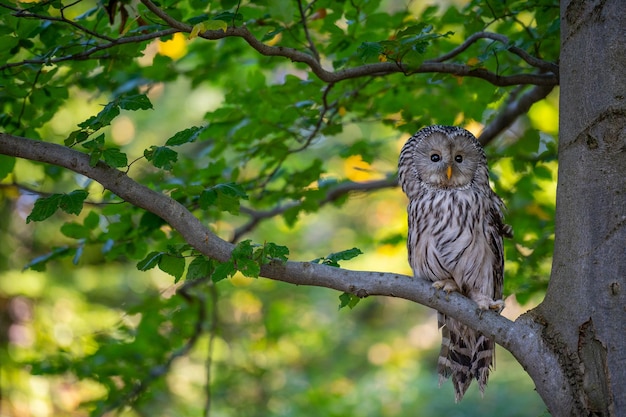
x,y
357,169
342,111
175,48
382,58
473,61
276,39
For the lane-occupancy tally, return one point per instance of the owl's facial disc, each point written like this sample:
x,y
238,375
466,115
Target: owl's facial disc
x,y
448,162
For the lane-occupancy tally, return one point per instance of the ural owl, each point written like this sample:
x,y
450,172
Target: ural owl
x,y
455,239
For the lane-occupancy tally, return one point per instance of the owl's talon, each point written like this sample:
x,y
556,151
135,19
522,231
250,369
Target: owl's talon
x,y
486,303
447,285
497,305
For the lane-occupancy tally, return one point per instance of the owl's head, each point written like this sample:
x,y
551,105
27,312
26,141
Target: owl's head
x,y
444,157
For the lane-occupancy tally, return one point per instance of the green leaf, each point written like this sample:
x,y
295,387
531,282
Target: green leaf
x,y
242,258
103,118
92,220
150,261
275,251
282,10
223,271
115,158
44,207
75,137
370,51
150,221
348,300
216,24
225,197
161,157
72,203
229,17
75,230
173,265
184,136
200,267
7,163
248,267
95,147
334,258
136,102
272,34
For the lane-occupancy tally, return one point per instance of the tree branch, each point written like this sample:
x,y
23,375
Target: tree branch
x,y
202,239
87,54
529,59
332,194
436,65
523,337
377,69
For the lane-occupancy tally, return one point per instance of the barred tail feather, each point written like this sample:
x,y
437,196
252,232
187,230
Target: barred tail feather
x,y
465,355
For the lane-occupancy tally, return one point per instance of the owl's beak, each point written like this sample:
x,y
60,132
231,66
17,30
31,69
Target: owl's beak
x,y
449,172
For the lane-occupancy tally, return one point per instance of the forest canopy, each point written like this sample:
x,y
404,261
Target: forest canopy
x,y
277,124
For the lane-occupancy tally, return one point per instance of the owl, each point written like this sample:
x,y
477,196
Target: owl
x,y
455,240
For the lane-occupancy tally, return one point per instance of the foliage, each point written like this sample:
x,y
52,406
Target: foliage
x,y
261,143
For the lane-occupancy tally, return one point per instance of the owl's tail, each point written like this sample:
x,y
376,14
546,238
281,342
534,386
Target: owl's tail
x,y
465,355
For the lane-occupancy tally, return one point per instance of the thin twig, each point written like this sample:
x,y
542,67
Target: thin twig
x,y
29,15
306,32
88,54
529,59
332,194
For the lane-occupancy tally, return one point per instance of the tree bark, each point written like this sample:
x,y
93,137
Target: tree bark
x,y
585,305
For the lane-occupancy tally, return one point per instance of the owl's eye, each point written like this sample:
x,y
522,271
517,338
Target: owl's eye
x,y
435,157
458,158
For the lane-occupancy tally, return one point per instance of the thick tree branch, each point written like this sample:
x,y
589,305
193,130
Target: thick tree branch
x,y
523,337
202,239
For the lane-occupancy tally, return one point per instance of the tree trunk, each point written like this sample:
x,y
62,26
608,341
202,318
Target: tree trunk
x,y
585,306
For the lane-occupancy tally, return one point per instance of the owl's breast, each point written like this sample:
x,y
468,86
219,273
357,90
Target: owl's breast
x,y
447,236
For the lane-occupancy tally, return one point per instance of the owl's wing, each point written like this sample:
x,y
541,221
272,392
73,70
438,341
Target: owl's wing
x,y
497,230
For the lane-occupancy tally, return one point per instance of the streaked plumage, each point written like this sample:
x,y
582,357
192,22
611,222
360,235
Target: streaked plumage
x,y
455,239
